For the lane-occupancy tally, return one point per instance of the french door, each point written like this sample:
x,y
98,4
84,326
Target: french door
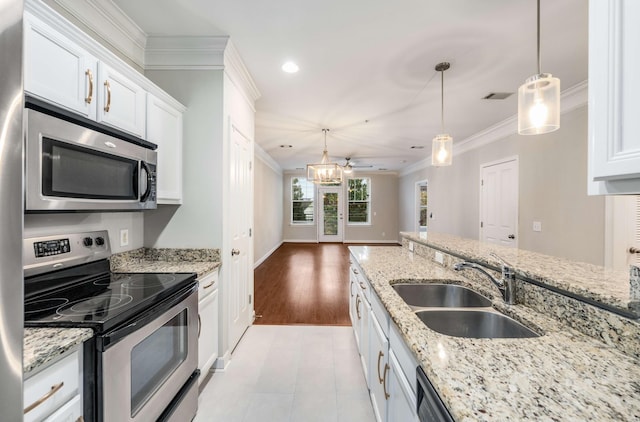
x,y
330,212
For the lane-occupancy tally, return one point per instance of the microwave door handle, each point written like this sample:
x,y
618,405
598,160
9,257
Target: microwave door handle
x,y
147,191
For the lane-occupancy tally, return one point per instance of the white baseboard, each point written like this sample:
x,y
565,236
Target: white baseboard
x,y
222,362
391,242
300,241
267,255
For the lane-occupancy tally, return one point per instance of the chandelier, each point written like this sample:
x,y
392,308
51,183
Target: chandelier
x,y
324,172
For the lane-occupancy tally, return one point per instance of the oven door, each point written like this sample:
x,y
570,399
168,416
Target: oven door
x,y
74,168
146,364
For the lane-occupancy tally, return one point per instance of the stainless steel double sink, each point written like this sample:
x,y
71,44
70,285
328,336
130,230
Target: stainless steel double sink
x,y
457,311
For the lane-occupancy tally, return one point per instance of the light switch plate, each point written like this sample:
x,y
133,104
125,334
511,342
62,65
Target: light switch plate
x,y
537,226
124,237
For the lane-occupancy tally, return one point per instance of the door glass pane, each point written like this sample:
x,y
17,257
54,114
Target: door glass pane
x,y
155,358
330,211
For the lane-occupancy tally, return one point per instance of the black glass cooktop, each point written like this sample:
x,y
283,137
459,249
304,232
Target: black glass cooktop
x,y
81,297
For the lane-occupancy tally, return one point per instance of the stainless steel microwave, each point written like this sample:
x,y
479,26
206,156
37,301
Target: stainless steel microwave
x,y
70,167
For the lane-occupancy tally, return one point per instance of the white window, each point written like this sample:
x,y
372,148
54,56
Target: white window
x,y
359,208
302,198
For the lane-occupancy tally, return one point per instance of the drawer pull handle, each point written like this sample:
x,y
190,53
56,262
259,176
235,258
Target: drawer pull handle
x,y
362,286
54,389
80,419
358,306
90,96
108,106
209,285
355,271
380,355
351,289
384,382
199,325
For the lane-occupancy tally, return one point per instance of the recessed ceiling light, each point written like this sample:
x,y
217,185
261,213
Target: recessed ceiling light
x,y
286,146
417,146
290,67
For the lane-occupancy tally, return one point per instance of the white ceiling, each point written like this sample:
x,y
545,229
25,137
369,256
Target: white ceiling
x,y
367,66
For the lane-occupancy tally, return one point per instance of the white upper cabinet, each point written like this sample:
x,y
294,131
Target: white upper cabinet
x,y
614,97
164,128
58,70
122,103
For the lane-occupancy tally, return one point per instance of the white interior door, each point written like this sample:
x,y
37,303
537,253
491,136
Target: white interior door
x,y
422,216
240,268
622,228
330,218
499,202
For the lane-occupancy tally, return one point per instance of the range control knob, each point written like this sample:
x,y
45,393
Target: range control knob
x,y
99,241
87,241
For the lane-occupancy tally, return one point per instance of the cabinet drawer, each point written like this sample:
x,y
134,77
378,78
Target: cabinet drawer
x,y
70,412
62,376
207,284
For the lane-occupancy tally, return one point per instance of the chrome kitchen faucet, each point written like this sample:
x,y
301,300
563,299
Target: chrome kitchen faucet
x,y
506,285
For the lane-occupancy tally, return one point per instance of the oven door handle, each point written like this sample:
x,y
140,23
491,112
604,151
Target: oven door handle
x,y
112,337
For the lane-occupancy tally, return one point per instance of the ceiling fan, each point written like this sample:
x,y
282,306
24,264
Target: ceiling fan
x,y
349,166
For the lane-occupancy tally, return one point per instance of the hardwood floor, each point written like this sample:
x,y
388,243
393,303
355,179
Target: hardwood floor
x,y
304,283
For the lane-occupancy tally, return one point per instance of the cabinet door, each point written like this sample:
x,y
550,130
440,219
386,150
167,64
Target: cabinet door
x,y
207,333
352,304
121,103
379,370
164,128
402,399
614,97
365,333
57,70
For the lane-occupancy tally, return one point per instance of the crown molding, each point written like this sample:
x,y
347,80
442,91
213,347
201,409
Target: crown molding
x,y
267,159
238,72
108,21
570,99
185,53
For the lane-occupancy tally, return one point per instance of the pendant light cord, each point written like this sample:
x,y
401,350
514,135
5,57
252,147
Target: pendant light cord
x,y
325,138
442,100
538,27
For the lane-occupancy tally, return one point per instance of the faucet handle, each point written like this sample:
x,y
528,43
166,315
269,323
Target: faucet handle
x,y
508,271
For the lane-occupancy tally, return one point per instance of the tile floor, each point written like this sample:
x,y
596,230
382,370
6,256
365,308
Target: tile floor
x,y
291,373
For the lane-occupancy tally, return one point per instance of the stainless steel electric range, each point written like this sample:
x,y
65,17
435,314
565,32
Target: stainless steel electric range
x,y
141,364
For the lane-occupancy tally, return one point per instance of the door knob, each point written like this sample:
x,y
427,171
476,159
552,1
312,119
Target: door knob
x,y
511,236
634,250
235,252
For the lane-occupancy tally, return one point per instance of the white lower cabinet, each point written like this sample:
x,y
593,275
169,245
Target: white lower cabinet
x,y
54,393
389,366
207,323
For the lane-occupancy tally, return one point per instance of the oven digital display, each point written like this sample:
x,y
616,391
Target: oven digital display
x,y
51,247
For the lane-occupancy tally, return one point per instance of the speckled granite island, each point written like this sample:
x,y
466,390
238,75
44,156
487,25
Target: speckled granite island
x,y
563,375
44,345
166,260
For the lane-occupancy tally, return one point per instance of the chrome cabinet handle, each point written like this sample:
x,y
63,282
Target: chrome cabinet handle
x,y
358,306
54,389
90,96
235,252
380,355
384,381
634,250
108,106
199,325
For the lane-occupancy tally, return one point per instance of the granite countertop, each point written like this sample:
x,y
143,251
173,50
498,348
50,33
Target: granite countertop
x,y
42,345
146,260
562,375
603,285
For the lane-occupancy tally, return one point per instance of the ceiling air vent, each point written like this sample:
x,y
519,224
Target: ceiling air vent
x,y
497,96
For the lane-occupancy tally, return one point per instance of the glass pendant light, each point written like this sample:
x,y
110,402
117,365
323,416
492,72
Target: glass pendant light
x,y
324,172
539,100
442,144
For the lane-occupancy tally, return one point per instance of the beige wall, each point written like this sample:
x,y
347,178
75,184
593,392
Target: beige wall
x,y
267,210
384,212
552,190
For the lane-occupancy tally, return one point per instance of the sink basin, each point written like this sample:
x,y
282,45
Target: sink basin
x,y
474,324
440,295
